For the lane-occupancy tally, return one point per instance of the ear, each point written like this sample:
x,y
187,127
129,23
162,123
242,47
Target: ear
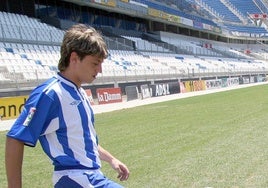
x,y
73,58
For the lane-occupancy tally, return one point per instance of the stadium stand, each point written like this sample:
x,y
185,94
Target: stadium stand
x,y
29,47
15,26
221,10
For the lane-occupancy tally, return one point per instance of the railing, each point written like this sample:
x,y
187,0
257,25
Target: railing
x,y
16,81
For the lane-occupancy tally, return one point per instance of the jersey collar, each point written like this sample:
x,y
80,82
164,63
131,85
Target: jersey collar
x,y
61,78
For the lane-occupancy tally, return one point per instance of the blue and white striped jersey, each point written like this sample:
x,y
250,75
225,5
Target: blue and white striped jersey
x,y
59,115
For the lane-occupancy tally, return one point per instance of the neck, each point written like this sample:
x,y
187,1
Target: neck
x,y
71,77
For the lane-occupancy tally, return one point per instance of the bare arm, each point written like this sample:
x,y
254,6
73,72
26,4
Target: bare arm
x,y
14,157
123,172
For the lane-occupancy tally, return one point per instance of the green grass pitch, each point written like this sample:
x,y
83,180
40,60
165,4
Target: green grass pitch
x,y
216,140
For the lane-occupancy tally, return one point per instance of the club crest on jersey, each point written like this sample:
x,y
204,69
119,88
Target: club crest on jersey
x,y
29,116
76,102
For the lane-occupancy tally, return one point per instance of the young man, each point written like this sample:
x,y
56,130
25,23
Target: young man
x,y
58,114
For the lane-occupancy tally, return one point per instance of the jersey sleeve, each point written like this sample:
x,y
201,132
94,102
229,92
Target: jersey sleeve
x,y
33,119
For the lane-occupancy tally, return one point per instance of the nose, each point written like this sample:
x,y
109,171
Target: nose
x,y
100,68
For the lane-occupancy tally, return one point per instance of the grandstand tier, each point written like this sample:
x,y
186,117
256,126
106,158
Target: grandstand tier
x,y
147,40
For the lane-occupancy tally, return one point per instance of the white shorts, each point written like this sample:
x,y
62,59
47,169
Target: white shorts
x,y
82,179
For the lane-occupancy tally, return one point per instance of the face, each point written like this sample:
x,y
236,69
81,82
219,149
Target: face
x,y
85,70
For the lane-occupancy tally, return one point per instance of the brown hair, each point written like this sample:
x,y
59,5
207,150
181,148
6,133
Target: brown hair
x,y
84,40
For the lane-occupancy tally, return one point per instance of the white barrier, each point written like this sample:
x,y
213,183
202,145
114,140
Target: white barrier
x,y
6,124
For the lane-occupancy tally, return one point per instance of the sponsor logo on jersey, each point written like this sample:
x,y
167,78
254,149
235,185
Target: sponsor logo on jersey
x,y
29,116
76,102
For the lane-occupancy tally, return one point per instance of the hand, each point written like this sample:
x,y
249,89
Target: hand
x,y
123,172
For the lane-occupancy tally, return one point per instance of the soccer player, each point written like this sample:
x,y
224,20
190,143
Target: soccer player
x,y
58,114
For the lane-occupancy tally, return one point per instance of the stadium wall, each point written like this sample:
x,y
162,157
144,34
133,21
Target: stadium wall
x,y
11,107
